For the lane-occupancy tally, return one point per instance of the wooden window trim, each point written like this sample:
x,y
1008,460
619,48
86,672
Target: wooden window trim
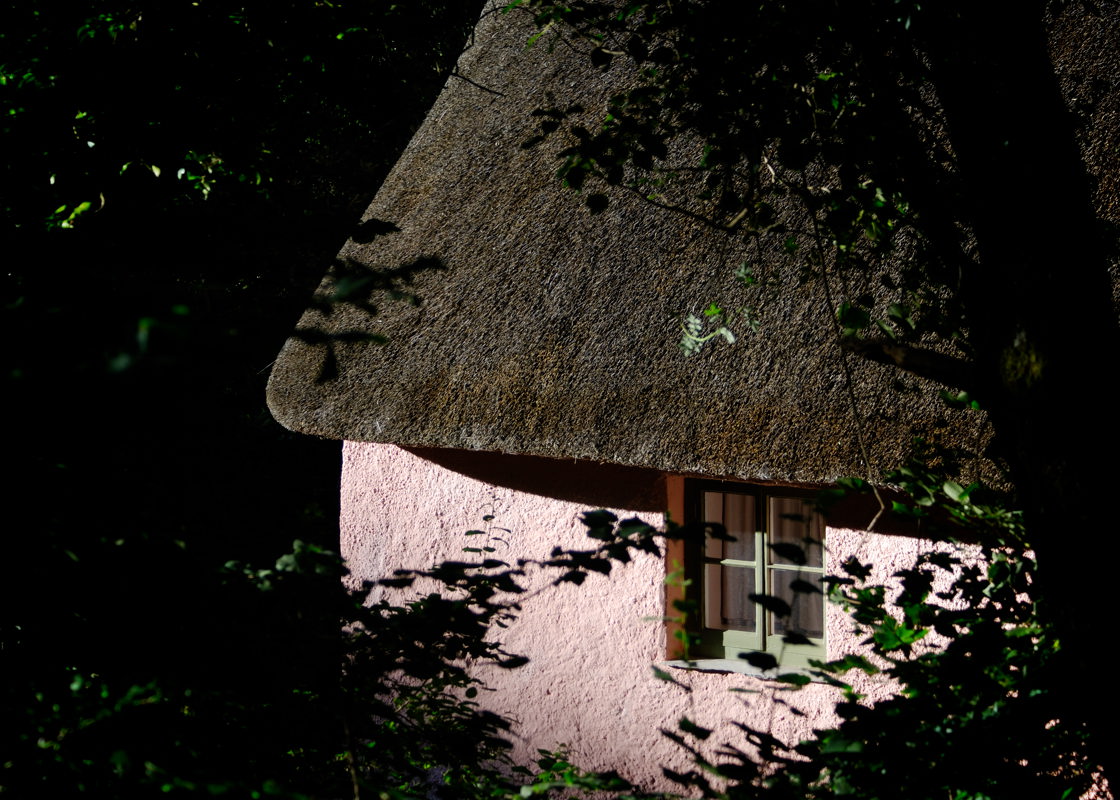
x,y
685,498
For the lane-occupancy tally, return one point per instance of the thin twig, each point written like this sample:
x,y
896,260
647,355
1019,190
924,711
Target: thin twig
x,y
849,383
455,73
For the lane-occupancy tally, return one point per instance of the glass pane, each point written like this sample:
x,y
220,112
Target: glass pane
x,y
808,609
794,522
736,512
713,512
727,605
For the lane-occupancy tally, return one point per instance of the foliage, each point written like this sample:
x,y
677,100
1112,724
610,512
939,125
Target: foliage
x,y
387,708
315,692
782,118
232,150
116,106
556,774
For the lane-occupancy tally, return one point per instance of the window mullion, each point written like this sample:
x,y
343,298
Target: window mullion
x,y
760,579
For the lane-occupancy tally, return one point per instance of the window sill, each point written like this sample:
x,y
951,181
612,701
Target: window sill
x,y
736,665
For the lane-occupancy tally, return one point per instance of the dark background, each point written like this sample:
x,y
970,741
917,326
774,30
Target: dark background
x,y
147,631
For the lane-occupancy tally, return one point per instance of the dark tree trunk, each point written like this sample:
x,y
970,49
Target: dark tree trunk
x,y
1039,309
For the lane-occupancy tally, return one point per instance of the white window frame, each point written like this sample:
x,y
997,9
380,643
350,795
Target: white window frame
x,y
717,640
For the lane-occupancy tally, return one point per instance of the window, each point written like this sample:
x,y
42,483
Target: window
x,y
760,587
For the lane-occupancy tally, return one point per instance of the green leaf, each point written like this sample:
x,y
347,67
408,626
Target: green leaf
x,y
837,743
886,329
959,400
662,675
955,492
852,661
795,679
852,319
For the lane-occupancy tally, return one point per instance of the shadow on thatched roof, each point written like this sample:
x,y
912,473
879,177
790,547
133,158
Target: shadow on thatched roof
x,y
548,331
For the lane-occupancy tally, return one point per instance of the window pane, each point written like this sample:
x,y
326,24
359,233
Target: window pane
x,y
794,522
713,512
808,608
736,512
727,605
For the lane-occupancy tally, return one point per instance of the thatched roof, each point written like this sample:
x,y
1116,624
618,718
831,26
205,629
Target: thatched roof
x,y
554,332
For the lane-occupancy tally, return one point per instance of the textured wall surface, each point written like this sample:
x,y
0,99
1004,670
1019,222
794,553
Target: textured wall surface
x,y
589,683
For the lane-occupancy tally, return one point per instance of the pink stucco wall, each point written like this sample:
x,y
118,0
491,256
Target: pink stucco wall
x,y
589,683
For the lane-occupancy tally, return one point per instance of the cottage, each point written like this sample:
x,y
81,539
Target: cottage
x,y
539,376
